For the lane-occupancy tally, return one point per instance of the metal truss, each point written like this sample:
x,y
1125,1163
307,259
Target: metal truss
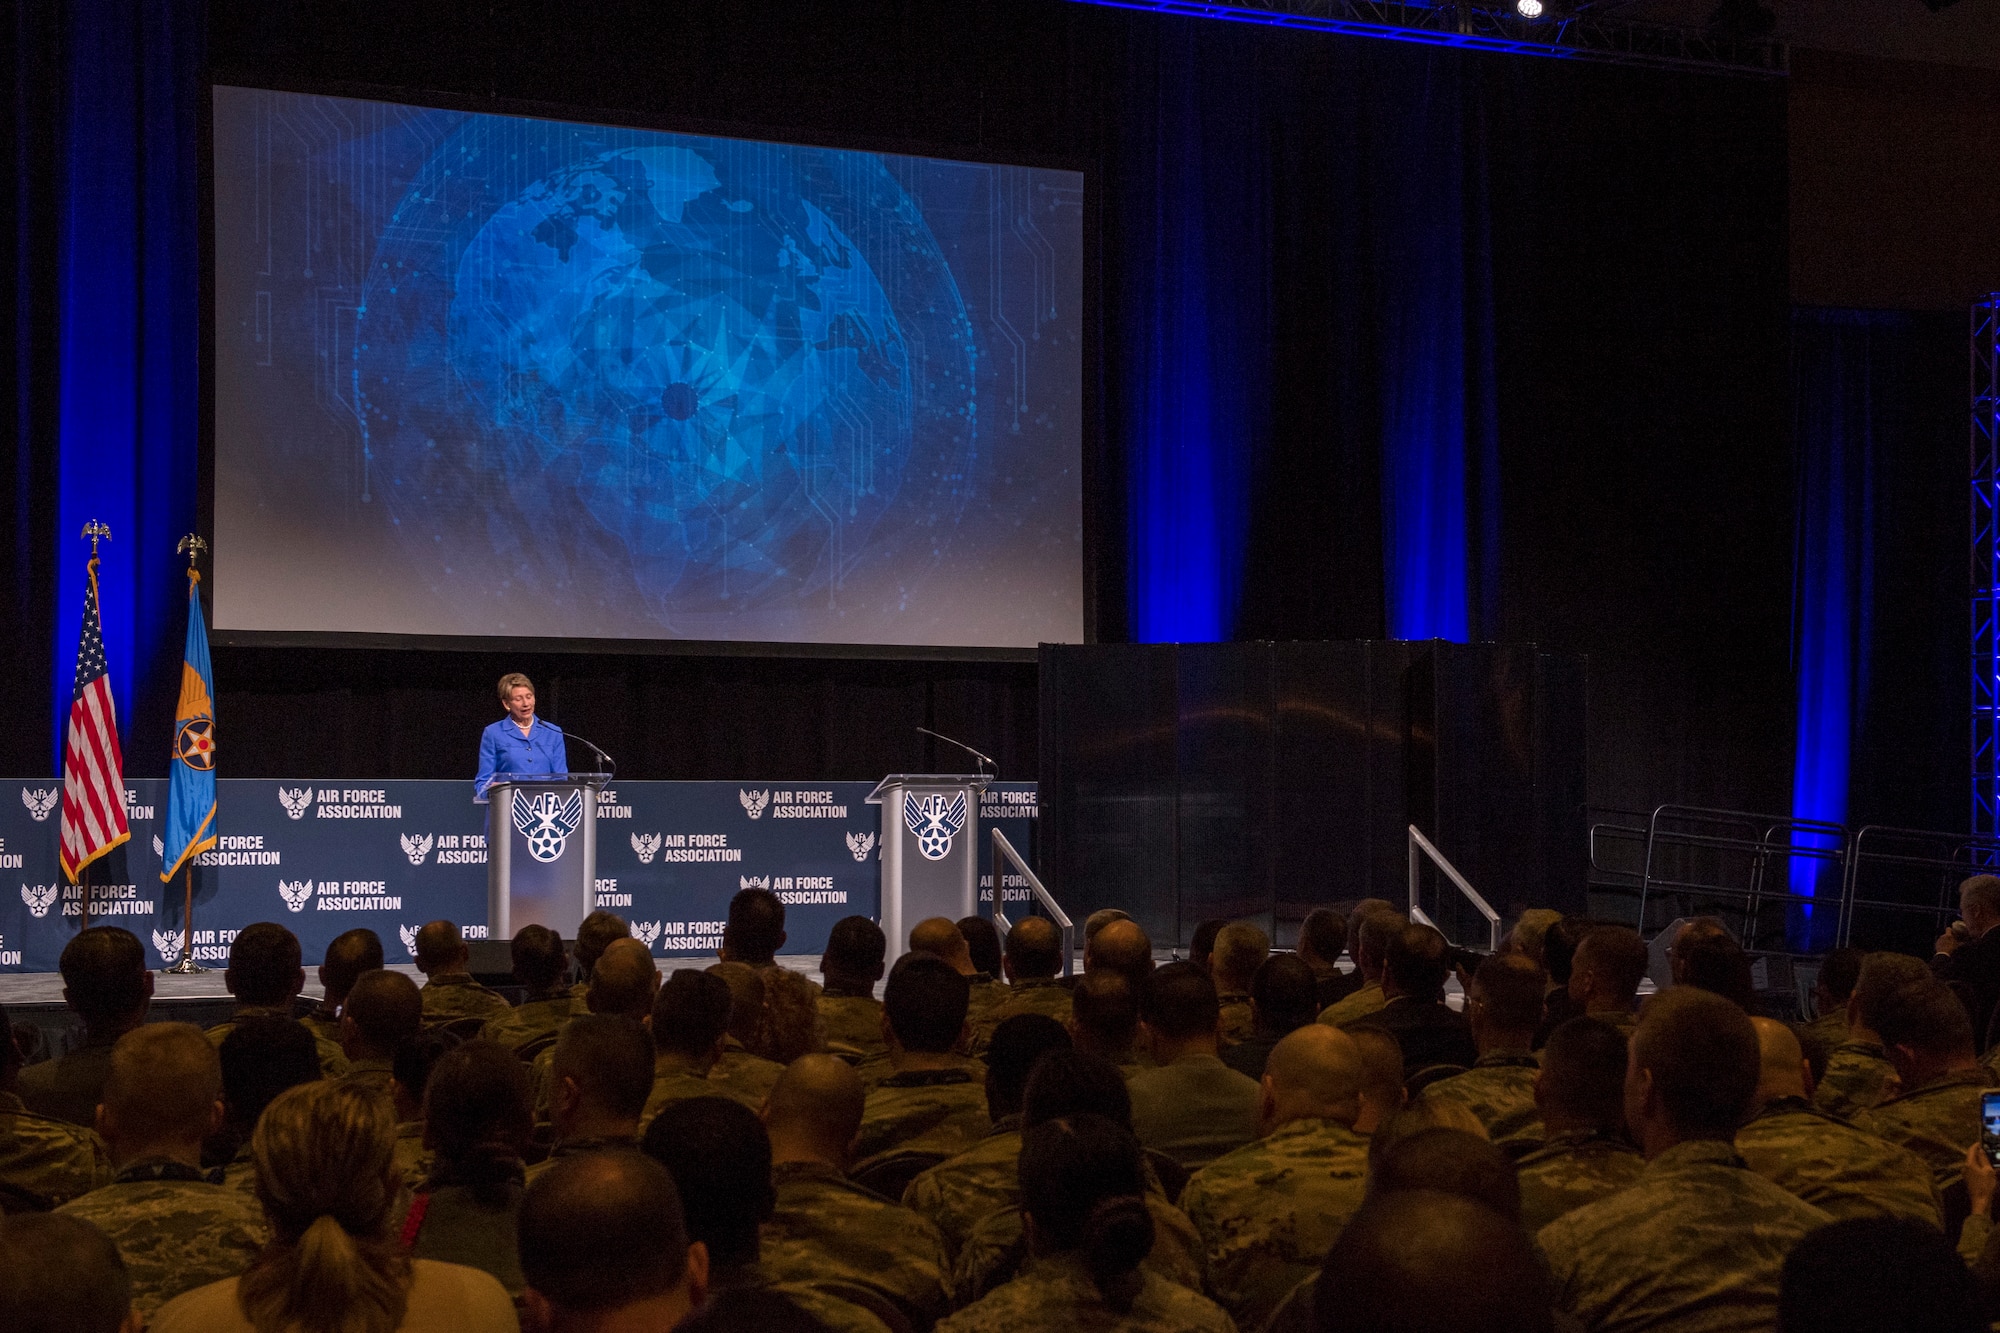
x,y
1568,35
1986,565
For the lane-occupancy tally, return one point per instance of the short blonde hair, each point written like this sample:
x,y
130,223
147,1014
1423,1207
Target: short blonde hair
x,y
512,681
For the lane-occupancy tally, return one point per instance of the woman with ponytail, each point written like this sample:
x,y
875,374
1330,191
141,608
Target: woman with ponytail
x,y
324,1156
1083,1191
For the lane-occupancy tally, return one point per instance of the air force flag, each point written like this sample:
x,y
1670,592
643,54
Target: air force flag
x,y
191,785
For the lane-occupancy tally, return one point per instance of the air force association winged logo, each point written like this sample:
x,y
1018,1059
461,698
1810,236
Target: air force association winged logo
x,y
297,895
167,943
753,882
417,846
295,802
646,846
860,844
754,801
41,801
409,934
39,898
546,821
934,822
646,932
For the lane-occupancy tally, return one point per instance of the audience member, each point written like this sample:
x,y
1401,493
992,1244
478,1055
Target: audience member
x,y
1284,997
1414,968
261,1058
848,1009
957,1193
599,1085
1858,1074
595,935
62,1275
1449,1161
1422,1261
1120,946
604,1246
383,1010
265,975
690,1022
1503,1010
1716,962
1839,969
1877,1275
1831,1165
792,1026
1529,935
1082,1189
541,967
741,1072
982,943
1189,1106
1201,945
1698,1241
623,981
1928,1037
449,990
351,953
477,1118
1101,918
1969,953
410,1075
1240,949
325,1171
1032,961
174,1228
1369,943
1382,1089
1559,943
1104,1018
1580,1094
933,1100
1604,976
1268,1211
1322,939
941,939
108,987
1415,1118
824,1226
755,930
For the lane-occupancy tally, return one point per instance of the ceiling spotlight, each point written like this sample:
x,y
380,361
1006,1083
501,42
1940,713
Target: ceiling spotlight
x,y
1528,9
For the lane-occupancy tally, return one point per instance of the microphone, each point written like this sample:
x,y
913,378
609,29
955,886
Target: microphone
x,y
983,759
596,748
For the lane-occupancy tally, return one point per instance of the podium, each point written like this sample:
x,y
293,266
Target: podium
x,y
541,852
930,850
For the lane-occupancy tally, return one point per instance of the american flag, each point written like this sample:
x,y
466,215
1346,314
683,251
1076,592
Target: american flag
x,y
93,805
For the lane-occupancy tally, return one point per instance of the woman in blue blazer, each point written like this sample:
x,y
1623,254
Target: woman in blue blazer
x,y
519,744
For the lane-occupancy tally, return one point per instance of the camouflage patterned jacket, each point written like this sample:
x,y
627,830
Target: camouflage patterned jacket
x,y
956,1195
1368,1000
1033,995
1694,1247
528,1022
324,1022
1056,1295
332,1060
577,1148
375,1075
1238,1019
450,995
874,1068
825,1226
1268,1212
853,1025
1193,1110
1500,1090
175,1230
47,1161
746,1077
677,1078
923,1110
1571,1170
836,1315
1836,1167
1937,1122
1858,1078
997,1250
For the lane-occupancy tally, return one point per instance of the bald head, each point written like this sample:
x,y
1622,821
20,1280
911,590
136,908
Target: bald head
x,y
1122,947
1034,950
440,948
1781,1060
624,980
1381,1076
1314,1071
384,1009
1240,949
938,936
814,1110
163,1093
746,1001
1423,1261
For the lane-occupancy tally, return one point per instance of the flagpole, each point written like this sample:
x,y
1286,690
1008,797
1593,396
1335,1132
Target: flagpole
x,y
197,755
86,900
185,967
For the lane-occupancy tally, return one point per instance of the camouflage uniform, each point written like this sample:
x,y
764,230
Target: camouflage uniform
x,y
853,1025
1858,1078
529,1022
825,1226
1571,1170
985,996
1056,1295
1937,1122
1368,1000
1268,1212
174,1228
1500,1090
835,1314
1837,1168
677,1078
956,1195
69,1086
1829,1030
1033,995
450,995
1193,1110
412,1158
873,1069
324,1022
1625,1020
1238,1022
375,1075
746,1077
997,1250
332,1060
1694,1247
579,1147
923,1110
48,1161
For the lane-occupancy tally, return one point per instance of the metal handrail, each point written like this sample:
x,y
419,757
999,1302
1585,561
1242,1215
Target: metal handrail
x,y
1420,846
1758,837
1962,844
1003,853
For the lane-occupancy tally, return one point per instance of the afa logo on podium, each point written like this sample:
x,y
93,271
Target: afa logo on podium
x,y
546,821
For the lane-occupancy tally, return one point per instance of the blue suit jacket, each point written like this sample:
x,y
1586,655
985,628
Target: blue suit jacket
x,y
505,752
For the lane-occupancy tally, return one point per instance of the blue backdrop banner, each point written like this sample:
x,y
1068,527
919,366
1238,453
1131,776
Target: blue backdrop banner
x,y
322,858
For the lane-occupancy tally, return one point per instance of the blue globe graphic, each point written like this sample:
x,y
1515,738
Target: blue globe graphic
x,y
675,379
